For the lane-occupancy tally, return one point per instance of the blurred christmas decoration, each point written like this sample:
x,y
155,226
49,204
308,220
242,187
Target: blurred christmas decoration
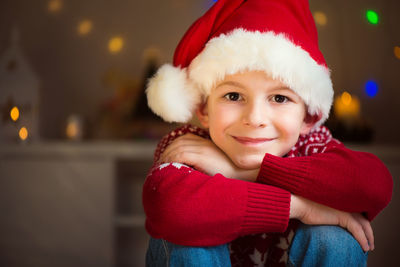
x,y
126,114
19,95
147,124
346,122
114,115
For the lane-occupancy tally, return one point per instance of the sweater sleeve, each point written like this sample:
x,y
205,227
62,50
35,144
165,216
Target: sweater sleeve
x,y
190,208
340,178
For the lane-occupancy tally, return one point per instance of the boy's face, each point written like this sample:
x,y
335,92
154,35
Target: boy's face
x,y
249,114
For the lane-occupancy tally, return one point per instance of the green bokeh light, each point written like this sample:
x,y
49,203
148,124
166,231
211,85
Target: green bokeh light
x,y
372,17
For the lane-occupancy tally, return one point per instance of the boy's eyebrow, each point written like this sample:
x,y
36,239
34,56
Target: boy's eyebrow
x,y
237,84
230,83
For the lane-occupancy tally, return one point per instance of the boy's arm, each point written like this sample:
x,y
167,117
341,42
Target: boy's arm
x,y
190,208
187,207
340,178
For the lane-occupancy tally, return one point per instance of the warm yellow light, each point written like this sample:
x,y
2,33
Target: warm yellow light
x,y
54,5
72,130
320,18
397,51
347,106
14,113
115,45
23,133
85,27
346,99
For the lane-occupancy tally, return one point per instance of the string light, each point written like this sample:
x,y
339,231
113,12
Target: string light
x,y
320,18
371,88
85,27
372,17
115,45
14,113
23,133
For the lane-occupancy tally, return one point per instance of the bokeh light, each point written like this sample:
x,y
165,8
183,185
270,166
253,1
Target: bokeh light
x,y
320,18
346,98
347,106
371,88
72,130
23,133
14,113
397,52
115,45
85,27
54,6
372,17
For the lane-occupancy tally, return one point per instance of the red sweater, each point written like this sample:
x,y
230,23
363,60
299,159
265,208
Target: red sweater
x,y
187,207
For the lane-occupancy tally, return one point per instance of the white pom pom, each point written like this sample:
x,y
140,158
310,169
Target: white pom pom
x,y
171,96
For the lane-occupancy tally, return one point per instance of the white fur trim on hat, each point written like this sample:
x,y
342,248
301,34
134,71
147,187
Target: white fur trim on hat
x,y
174,94
171,95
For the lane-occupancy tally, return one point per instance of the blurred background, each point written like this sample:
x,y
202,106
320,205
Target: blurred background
x,y
77,138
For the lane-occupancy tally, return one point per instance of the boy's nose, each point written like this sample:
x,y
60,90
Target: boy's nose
x,y
255,115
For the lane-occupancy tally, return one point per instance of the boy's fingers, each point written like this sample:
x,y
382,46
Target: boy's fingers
x,y
366,225
356,229
370,235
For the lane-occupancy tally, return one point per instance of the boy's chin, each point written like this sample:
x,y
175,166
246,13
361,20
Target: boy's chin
x,y
248,163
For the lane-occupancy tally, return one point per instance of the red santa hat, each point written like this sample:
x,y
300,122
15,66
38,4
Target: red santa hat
x,y
275,36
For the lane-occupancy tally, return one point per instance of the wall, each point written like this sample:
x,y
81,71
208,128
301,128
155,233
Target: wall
x,y
72,68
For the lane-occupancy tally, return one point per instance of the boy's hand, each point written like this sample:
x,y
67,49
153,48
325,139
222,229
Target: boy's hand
x,y
203,155
310,212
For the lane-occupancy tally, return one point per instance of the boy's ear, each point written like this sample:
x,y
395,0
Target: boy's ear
x,y
309,122
202,114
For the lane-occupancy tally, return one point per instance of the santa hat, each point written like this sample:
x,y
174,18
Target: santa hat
x,y
278,37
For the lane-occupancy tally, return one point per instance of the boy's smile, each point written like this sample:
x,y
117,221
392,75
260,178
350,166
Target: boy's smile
x,y
250,141
249,114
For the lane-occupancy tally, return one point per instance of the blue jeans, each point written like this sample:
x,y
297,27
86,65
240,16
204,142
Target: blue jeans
x,y
311,246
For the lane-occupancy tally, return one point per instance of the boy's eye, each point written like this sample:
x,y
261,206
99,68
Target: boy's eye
x,y
280,98
233,96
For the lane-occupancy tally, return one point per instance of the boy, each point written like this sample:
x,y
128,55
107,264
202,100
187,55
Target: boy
x,y
253,73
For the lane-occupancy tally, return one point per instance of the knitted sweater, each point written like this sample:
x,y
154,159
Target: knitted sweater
x,y
187,207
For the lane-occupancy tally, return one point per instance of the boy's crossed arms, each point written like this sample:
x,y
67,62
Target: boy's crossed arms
x,y
188,221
